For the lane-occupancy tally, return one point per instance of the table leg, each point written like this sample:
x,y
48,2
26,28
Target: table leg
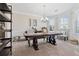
x,y
28,39
65,38
35,43
29,42
54,40
50,39
47,39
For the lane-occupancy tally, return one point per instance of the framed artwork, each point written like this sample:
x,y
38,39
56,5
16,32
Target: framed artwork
x,y
32,22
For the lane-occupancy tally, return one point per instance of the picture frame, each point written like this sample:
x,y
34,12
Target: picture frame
x,y
32,22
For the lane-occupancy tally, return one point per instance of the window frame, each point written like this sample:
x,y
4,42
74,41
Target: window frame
x,y
77,25
62,24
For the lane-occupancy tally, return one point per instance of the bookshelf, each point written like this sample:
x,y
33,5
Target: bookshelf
x,y
5,29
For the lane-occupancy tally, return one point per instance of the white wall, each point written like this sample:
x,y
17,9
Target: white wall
x,y
73,34
21,23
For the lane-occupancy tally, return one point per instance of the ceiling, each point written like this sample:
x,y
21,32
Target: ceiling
x,y
50,9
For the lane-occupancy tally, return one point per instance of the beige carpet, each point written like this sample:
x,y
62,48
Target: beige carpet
x,y
63,48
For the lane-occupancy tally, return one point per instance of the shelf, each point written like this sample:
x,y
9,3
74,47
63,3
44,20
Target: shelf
x,y
5,52
7,30
4,18
4,7
5,38
8,47
5,42
5,21
6,11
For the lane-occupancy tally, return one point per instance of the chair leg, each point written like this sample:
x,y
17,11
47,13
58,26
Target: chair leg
x,y
44,39
77,42
29,42
47,39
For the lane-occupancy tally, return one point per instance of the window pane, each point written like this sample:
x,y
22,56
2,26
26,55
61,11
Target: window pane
x,y
51,23
77,25
64,23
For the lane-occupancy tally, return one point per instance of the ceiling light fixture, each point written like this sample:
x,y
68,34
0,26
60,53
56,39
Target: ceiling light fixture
x,y
44,18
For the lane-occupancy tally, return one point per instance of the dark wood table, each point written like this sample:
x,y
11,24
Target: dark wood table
x,y
35,36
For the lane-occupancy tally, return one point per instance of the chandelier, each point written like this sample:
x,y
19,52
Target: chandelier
x,y
44,18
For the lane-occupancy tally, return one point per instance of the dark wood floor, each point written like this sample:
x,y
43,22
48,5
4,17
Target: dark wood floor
x,y
63,48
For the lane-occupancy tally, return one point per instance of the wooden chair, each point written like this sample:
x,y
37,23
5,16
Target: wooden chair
x,y
45,30
64,36
27,38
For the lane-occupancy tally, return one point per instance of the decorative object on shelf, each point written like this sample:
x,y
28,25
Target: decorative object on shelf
x,y
0,43
4,7
44,18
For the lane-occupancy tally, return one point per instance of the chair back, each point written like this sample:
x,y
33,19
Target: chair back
x,y
44,29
